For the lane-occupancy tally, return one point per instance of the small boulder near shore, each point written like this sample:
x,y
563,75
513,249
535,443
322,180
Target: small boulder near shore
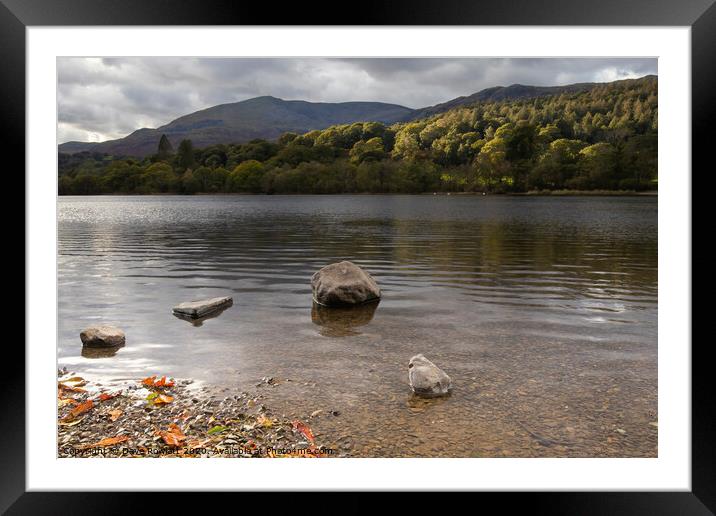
x,y
427,379
102,337
343,284
196,309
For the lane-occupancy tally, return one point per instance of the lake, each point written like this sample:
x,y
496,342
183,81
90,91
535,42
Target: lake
x,y
543,310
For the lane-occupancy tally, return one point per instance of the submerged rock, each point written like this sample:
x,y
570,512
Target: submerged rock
x,y
196,309
427,379
102,337
343,283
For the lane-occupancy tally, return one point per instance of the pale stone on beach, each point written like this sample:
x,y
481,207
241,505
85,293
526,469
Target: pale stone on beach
x,y
427,379
102,337
198,309
343,283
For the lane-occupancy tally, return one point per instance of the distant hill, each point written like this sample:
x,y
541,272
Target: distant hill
x,y
260,117
498,93
604,138
269,117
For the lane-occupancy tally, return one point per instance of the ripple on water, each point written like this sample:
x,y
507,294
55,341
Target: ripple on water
x,y
544,312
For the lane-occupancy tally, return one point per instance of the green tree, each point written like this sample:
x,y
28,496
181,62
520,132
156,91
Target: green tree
x,y
597,164
639,163
557,165
371,150
491,165
157,178
189,183
121,177
185,155
246,177
605,137
165,149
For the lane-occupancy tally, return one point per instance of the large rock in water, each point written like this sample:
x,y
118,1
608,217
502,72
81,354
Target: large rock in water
x,y
343,283
427,379
196,309
102,337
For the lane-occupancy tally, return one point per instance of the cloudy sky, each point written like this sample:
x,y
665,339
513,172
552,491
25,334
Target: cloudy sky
x,y
105,98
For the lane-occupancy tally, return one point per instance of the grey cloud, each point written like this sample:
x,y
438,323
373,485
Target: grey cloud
x,y
105,98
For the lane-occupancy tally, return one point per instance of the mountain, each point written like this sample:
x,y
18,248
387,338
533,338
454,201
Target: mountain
x,y
269,117
498,93
261,117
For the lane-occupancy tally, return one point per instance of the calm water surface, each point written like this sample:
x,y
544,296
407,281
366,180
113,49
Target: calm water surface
x,y
543,311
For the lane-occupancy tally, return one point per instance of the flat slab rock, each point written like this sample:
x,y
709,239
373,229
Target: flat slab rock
x,y
196,309
102,337
343,283
427,379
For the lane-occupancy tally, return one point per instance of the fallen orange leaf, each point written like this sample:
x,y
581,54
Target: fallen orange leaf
x,y
173,437
162,382
114,414
163,399
72,388
79,409
105,396
107,441
305,430
66,401
73,423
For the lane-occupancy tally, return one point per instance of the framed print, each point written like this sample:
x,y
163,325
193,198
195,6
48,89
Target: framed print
x,y
426,248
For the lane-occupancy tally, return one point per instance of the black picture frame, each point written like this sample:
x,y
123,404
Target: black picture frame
x,y
700,15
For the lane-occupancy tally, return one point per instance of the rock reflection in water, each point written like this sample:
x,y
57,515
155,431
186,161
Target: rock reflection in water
x,y
89,352
342,321
542,310
417,404
199,321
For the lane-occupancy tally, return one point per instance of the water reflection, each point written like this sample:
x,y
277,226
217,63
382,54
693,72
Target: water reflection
x,y
342,321
542,310
89,352
417,404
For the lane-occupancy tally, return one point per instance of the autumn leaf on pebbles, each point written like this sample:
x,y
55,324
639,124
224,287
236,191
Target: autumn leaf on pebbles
x,y
107,441
305,430
174,437
79,409
158,384
185,423
73,384
159,399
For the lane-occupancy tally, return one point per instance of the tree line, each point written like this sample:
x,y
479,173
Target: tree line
x,y
604,138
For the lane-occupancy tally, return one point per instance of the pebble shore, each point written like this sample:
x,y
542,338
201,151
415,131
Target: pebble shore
x,y
160,417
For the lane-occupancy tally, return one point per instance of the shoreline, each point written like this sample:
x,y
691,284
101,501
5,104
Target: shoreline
x,y
531,193
160,417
